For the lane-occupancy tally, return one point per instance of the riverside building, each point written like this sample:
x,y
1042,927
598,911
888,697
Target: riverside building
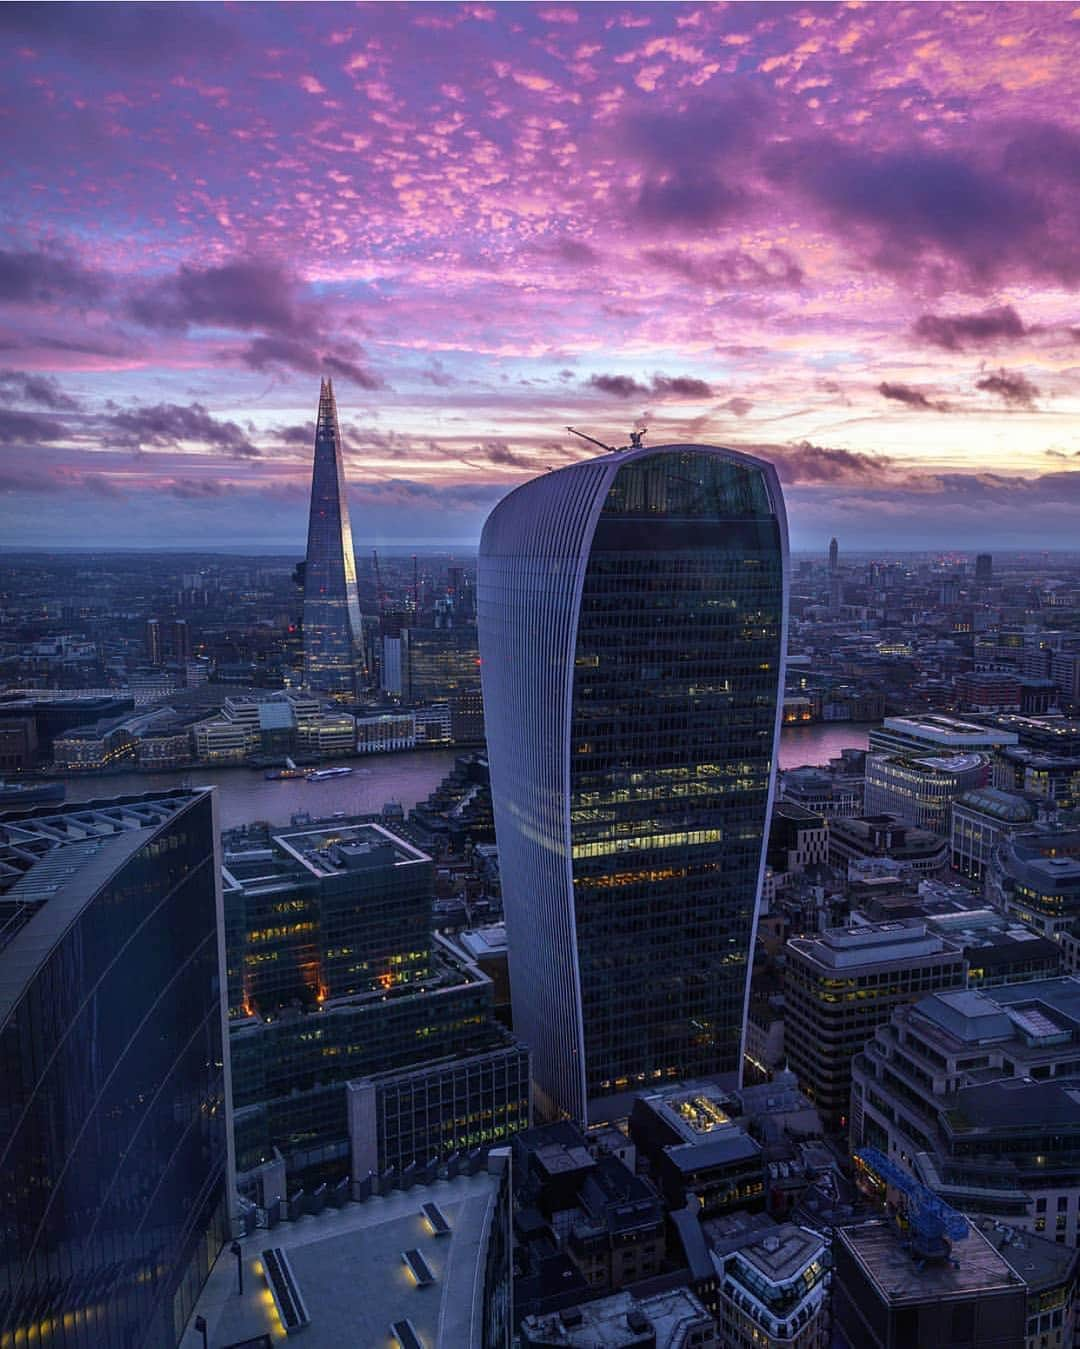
x,y
632,629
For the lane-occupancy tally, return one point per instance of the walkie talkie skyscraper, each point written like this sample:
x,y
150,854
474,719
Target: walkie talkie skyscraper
x,y
335,659
632,621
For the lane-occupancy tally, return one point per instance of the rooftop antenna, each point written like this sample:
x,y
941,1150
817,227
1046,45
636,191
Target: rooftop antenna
x,y
592,440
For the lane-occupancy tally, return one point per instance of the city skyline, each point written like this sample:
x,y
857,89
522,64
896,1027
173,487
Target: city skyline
x,y
487,222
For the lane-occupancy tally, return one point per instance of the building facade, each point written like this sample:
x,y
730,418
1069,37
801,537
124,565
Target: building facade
x,y
632,625
335,660
840,986
921,790
115,1167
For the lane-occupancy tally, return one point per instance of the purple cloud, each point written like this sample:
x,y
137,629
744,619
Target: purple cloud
x,y
169,424
1011,386
913,398
954,332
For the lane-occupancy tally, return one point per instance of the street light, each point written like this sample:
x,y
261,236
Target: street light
x,y
200,1326
237,1250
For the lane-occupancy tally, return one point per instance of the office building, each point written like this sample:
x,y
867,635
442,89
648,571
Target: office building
x,y
632,619
937,735
865,839
973,1092
980,820
427,1266
835,791
335,659
773,1287
1035,877
921,790
984,568
883,1298
841,985
355,1036
988,691
115,1168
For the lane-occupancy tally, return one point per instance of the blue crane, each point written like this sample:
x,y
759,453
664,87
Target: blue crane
x,y
932,1224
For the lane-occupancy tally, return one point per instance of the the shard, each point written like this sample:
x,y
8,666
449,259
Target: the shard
x,y
334,656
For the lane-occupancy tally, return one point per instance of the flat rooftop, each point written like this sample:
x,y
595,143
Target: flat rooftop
x,y
975,1267
900,939
949,731
349,1269
333,849
606,1325
781,1254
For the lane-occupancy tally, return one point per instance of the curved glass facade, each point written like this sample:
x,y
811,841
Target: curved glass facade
x,y
334,657
632,694
113,1138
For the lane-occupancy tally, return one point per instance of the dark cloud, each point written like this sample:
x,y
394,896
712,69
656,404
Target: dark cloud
x,y
135,37
954,332
695,157
661,386
619,386
303,434
269,353
740,406
28,428
499,452
679,386
345,369
40,389
244,294
732,269
34,277
576,251
805,464
168,424
912,397
946,216
1011,386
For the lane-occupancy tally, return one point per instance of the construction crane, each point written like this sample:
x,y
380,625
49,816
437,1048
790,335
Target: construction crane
x,y
636,437
932,1225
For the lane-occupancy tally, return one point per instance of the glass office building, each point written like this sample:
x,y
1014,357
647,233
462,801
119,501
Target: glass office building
x,y
334,653
114,1142
632,620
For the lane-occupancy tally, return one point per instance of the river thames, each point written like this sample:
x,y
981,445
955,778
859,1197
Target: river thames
x,y
245,795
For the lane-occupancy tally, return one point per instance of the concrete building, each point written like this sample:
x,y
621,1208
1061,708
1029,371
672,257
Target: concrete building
x,y
773,1288
840,986
835,791
1035,877
988,691
671,1320
884,1299
921,790
936,735
385,732
427,1266
974,1092
867,838
632,614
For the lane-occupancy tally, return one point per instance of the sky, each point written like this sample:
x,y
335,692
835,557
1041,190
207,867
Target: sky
x,y
843,237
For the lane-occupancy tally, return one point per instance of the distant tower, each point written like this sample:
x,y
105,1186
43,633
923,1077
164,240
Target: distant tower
x,y
834,556
334,655
984,569
632,617
154,652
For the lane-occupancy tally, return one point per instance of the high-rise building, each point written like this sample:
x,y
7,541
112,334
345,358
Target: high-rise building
x,y
155,652
335,659
984,568
834,556
115,1170
632,616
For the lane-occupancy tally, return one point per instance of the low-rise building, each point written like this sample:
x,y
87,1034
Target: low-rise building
x,y
980,819
773,1287
671,1320
865,837
386,732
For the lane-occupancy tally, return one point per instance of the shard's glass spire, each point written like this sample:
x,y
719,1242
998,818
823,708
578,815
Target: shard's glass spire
x,y
334,656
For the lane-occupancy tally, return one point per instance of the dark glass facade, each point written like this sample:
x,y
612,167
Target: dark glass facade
x,y
632,616
671,739
334,654
113,1133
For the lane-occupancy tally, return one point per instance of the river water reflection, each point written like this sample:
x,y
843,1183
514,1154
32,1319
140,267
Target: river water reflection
x,y
245,795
